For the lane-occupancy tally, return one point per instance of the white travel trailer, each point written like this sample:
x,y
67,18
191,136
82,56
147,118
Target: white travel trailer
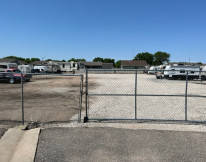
x,y
48,68
53,68
153,69
180,72
203,73
25,68
5,65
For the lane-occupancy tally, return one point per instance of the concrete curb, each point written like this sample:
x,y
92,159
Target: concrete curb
x,y
19,145
140,126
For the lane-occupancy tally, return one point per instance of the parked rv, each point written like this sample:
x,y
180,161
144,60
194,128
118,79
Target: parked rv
x,y
48,68
4,66
203,73
180,72
54,68
25,68
153,69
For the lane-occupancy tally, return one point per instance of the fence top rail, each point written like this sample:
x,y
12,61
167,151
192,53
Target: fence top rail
x,y
51,74
142,70
116,69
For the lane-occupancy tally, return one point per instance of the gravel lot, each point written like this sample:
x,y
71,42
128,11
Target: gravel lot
x,y
46,99
148,107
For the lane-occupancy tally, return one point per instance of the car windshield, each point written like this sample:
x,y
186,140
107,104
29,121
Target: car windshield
x,y
17,71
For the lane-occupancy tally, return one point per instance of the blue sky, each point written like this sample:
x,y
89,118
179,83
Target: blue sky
x,y
119,29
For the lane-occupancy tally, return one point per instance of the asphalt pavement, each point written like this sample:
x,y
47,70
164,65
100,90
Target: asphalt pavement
x,y
116,144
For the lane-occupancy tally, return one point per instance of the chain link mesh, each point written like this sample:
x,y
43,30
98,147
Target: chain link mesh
x,y
197,98
10,97
46,98
112,95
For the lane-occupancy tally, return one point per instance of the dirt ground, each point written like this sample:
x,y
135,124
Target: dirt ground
x,y
47,98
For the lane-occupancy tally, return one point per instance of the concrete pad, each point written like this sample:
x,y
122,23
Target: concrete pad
x,y
19,145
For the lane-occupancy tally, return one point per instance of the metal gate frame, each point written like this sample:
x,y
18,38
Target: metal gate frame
x,y
80,99
86,118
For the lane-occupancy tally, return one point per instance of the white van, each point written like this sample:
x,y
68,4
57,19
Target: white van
x,y
5,65
42,69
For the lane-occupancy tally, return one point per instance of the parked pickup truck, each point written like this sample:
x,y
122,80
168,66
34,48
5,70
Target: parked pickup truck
x,y
14,75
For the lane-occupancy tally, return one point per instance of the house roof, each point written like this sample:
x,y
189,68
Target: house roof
x,y
40,62
98,64
107,65
91,63
12,61
134,63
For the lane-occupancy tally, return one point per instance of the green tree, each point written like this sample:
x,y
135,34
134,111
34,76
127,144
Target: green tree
x,y
148,57
199,63
118,64
28,60
48,60
161,57
109,60
98,59
35,59
77,60
14,57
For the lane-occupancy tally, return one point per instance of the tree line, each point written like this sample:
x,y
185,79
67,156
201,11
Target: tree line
x,y
157,58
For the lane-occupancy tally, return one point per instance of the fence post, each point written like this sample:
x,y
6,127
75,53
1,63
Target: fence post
x,y
86,97
135,95
186,96
81,94
22,98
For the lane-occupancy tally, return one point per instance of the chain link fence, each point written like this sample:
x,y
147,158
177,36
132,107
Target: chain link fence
x,y
110,95
43,98
136,95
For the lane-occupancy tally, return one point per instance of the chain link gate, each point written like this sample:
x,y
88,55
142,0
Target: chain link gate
x,y
135,95
46,98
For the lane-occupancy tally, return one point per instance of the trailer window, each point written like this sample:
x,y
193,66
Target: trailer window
x,y
3,66
182,71
192,72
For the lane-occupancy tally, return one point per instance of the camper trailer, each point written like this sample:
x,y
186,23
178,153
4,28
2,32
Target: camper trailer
x,y
53,68
5,65
203,73
48,68
153,69
180,72
25,68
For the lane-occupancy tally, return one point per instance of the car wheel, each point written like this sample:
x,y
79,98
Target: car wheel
x,y
11,81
